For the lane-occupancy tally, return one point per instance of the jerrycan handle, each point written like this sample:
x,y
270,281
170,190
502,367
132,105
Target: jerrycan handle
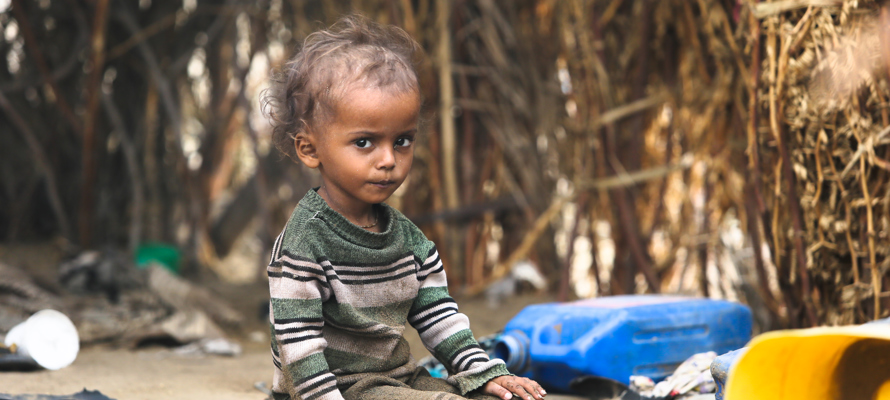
x,y
546,352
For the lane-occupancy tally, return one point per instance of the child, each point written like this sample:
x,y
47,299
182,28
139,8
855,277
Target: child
x,y
348,271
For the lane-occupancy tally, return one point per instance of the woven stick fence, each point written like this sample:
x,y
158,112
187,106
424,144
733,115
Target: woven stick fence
x,y
733,149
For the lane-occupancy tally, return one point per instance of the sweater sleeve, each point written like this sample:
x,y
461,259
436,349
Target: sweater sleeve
x,y
446,332
297,287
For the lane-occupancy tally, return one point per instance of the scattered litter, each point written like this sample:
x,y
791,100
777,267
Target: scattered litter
x,y
189,326
618,336
82,395
194,318
692,377
720,369
21,296
183,295
11,361
261,386
219,346
433,366
110,300
641,384
48,337
108,272
437,370
163,254
523,273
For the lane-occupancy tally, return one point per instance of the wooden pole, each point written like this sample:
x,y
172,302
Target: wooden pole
x,y
94,95
446,104
448,132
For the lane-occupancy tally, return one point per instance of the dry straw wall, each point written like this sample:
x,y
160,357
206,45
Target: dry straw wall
x,y
726,148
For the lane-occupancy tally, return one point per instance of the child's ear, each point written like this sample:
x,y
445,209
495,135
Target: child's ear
x,y
306,151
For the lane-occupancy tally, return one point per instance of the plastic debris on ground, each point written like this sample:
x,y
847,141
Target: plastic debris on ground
x,y
82,395
110,300
724,363
615,337
437,370
641,384
217,346
48,337
11,360
433,366
692,378
522,275
720,369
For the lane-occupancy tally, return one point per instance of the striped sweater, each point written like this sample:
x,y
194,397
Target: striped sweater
x,y
341,297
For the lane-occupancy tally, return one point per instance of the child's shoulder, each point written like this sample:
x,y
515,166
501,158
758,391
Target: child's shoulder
x,y
298,232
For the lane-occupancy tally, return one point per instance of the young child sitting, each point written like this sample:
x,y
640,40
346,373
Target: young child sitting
x,y
348,271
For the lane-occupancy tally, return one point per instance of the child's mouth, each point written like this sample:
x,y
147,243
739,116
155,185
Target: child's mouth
x,y
383,184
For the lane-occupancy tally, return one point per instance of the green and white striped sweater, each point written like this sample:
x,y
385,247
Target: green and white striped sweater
x,y
340,298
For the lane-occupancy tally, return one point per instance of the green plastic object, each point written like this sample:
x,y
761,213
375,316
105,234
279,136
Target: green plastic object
x,y
160,253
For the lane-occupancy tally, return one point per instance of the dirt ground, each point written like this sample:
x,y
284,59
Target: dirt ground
x,y
160,372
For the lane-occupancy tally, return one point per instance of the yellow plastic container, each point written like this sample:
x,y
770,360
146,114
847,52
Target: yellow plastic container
x,y
839,363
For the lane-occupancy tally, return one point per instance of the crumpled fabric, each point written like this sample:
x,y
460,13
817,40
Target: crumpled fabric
x,y
692,377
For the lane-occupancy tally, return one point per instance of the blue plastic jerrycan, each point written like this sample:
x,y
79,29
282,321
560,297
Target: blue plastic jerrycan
x,y
616,337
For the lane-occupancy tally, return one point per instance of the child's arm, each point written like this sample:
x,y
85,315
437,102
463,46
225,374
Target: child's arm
x,y
446,332
297,287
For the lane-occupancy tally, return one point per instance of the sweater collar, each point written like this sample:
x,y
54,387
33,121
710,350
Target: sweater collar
x,y
345,228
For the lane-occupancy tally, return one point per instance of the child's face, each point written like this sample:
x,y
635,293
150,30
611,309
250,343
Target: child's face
x,y
366,150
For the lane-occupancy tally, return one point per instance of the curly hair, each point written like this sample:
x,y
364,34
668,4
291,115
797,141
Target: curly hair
x,y
353,51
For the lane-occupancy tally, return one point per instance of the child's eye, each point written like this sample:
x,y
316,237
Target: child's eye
x,y
363,143
404,142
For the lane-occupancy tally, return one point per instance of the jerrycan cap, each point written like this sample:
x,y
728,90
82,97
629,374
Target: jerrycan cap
x,y
512,347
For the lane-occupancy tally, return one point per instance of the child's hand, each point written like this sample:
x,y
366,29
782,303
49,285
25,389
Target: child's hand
x,y
507,386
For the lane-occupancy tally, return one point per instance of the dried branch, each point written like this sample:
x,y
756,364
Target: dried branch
x,y
764,10
46,74
625,179
63,70
43,164
876,278
160,81
156,27
618,113
134,170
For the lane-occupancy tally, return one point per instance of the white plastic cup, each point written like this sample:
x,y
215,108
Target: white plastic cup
x,y
48,337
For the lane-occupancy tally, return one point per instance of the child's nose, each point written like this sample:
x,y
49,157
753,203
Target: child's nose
x,y
387,158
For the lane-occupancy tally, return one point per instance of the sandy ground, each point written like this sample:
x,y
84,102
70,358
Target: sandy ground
x,y
149,374
160,373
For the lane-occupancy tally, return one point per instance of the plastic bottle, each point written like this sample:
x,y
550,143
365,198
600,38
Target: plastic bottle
x,y
616,337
